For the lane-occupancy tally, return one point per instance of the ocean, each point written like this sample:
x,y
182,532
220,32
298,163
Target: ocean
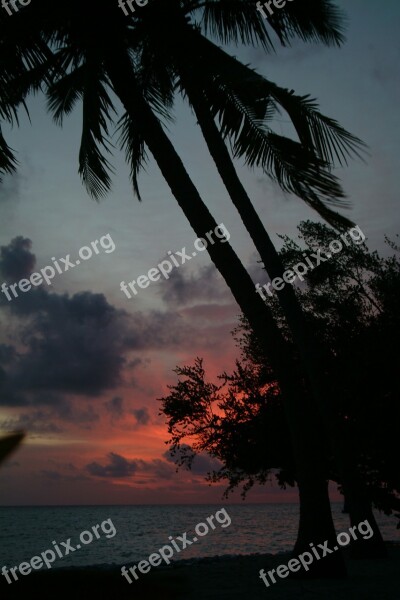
x,y
141,530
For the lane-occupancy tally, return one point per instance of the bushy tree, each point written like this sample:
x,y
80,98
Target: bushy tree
x,y
350,302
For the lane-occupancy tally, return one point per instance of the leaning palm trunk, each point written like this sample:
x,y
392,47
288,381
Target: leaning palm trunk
x,y
311,353
310,470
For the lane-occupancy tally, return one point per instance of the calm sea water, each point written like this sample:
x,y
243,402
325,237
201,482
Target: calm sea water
x,y
141,530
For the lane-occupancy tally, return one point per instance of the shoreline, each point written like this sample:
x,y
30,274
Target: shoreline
x,y
219,578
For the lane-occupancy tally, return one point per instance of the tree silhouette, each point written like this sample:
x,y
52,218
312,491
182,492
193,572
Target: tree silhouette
x,y
78,57
218,85
10,443
350,302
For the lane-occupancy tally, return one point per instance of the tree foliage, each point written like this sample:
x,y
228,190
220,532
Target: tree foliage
x,y
351,303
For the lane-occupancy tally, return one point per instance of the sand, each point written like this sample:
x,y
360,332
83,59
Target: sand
x,y
221,578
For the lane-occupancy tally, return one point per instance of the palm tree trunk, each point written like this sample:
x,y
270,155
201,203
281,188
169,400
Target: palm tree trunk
x,y
260,319
311,353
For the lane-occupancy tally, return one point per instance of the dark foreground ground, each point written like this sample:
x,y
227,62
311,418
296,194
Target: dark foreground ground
x,y
211,579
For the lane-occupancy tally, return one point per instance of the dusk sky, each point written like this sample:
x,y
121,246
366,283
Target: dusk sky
x,y
81,364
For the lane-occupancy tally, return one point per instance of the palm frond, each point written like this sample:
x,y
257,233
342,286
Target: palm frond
x,y
331,142
288,163
132,141
8,162
332,217
318,133
94,168
296,169
63,93
9,443
238,21
235,21
311,21
85,82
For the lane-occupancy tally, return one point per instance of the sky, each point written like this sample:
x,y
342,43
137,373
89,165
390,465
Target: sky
x,y
82,365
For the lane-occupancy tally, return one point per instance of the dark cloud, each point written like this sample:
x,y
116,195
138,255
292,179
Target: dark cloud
x,y
53,475
36,422
7,354
142,415
215,315
10,465
16,260
120,467
44,422
83,345
72,345
159,469
79,345
68,411
115,407
202,463
158,330
184,288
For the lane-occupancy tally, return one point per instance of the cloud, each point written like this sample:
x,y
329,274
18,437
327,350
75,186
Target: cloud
x,y
16,260
72,345
53,475
45,422
7,354
202,463
115,407
67,411
142,415
79,344
185,288
215,315
119,467
159,469
7,464
157,330
82,345
36,422
75,345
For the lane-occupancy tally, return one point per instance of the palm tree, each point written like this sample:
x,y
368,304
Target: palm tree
x,y
23,68
10,443
90,57
219,85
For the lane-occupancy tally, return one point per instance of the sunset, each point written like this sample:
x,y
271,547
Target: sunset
x,y
198,294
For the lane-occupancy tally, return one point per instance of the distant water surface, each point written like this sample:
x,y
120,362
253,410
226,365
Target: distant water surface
x,y
141,530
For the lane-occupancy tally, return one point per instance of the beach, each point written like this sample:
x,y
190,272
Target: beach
x,y
220,578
